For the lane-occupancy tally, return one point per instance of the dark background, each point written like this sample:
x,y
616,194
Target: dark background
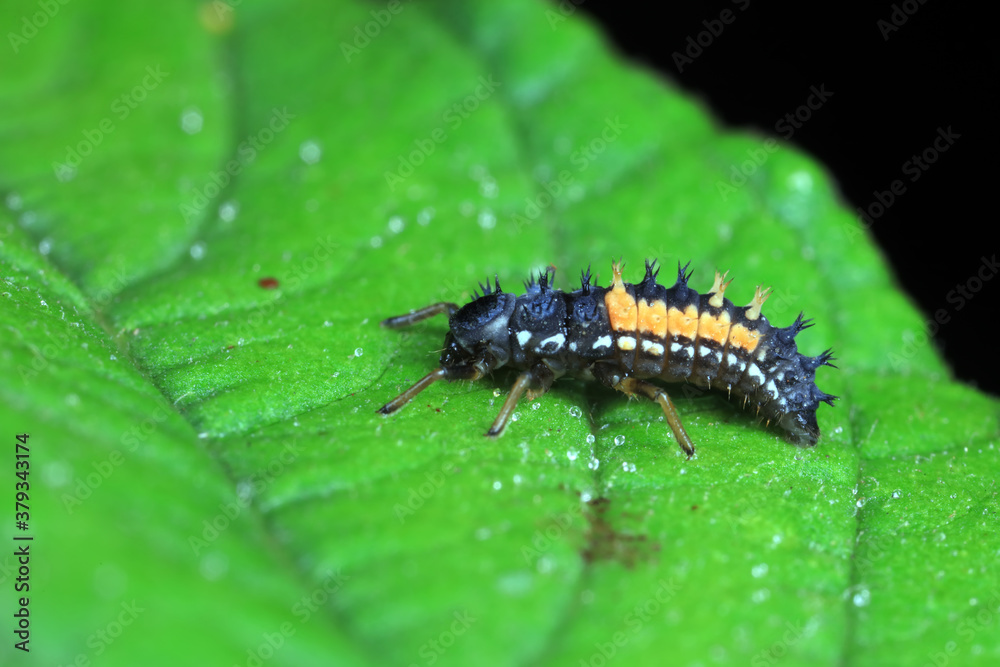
x,y
890,96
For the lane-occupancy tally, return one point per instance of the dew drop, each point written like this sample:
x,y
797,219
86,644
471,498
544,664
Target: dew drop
x,y
575,412
489,189
591,438
310,152
862,598
198,250
619,440
228,211
57,473
65,173
396,224
594,464
497,485
535,406
191,120
759,571
487,219
358,351
214,565
425,216
897,493
571,454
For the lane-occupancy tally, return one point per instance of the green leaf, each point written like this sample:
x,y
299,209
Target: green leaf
x,y
210,208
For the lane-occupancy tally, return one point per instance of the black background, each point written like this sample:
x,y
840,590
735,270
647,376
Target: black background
x,y
890,96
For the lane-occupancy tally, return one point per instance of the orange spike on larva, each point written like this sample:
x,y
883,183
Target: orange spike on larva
x,y
759,297
718,290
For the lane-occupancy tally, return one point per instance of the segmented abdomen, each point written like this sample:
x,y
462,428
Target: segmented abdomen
x,y
679,335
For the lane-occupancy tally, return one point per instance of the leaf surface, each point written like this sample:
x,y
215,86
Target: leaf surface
x,y
191,310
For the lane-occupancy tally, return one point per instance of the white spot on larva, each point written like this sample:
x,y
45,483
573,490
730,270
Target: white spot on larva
x,y
603,341
772,389
718,357
626,343
704,351
676,347
523,337
653,348
572,346
731,359
755,373
762,355
557,341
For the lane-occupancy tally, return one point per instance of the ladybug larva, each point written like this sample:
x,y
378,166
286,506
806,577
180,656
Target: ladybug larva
x,y
625,335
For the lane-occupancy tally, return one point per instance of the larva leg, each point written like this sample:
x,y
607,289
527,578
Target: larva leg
x,y
453,373
536,382
631,386
415,316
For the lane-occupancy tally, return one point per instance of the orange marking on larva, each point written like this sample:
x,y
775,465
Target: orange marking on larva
x,y
653,318
714,328
743,338
683,323
622,311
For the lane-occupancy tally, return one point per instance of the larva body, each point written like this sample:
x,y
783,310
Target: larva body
x,y
625,335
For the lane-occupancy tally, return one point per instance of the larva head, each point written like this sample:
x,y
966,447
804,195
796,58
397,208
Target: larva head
x,y
481,325
803,400
801,427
